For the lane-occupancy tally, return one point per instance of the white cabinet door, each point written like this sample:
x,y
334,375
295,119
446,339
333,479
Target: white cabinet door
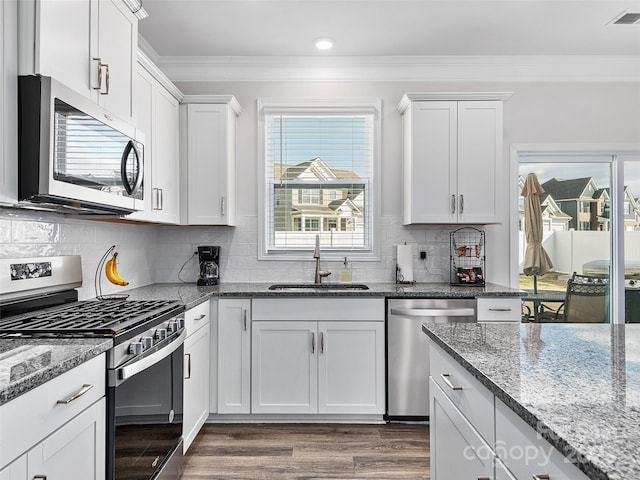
x,y
479,158
76,450
284,367
234,355
457,450
117,48
196,383
208,177
157,117
17,470
166,164
430,174
351,367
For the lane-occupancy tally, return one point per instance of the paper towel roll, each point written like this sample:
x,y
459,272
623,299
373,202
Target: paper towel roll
x,y
405,262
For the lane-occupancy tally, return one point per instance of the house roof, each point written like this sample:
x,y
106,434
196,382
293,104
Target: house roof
x,y
315,166
566,189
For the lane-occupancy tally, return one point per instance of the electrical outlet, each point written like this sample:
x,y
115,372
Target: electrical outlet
x,y
423,255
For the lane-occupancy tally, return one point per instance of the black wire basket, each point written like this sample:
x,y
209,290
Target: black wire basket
x,y
467,257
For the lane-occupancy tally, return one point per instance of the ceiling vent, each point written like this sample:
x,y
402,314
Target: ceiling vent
x,y
626,18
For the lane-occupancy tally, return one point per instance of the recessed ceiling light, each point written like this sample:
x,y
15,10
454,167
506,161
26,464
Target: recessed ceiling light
x,y
323,43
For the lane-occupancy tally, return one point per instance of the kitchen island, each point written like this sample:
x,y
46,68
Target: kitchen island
x,y
575,385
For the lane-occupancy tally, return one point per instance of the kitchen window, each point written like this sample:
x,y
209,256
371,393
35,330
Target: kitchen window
x,y
320,163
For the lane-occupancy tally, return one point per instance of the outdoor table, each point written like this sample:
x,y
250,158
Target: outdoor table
x,y
542,297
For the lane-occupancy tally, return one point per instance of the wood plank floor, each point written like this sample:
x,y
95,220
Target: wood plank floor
x,y
309,452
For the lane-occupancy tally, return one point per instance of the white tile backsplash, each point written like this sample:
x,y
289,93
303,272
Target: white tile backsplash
x,y
156,253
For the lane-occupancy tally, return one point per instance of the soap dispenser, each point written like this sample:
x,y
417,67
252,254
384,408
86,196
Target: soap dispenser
x,y
345,274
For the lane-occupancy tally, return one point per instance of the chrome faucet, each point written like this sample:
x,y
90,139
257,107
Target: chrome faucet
x,y
316,254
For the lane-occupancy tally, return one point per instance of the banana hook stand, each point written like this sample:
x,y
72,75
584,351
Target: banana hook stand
x,y
97,280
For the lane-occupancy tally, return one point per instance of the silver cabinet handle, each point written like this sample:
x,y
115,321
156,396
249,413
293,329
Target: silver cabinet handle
x,y
39,477
453,204
99,60
433,312
188,366
499,309
161,190
484,478
313,342
204,315
541,477
445,379
321,342
222,206
244,320
461,203
85,388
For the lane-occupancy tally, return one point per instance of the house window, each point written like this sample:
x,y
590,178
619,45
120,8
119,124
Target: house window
x,y
320,164
584,225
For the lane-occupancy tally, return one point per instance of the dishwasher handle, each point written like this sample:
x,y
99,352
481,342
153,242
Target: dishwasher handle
x,y
433,312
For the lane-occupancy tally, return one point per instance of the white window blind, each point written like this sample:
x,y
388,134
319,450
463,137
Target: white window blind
x,y
319,169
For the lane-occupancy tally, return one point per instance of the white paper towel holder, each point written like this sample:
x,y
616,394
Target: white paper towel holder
x,y
399,275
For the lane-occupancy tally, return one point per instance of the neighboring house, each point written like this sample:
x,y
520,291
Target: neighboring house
x,y
309,202
631,210
582,200
553,218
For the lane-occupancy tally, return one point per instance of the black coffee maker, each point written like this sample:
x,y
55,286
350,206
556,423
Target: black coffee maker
x,y
209,258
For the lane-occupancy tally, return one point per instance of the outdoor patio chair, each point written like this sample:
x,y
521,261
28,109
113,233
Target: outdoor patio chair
x,y
586,300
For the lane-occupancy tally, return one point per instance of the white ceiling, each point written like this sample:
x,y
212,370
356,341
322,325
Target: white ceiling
x,y
255,28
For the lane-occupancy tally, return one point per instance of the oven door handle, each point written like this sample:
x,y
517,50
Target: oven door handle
x,y
433,312
128,371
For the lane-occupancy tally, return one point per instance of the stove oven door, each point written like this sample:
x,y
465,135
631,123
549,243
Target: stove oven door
x,y
145,416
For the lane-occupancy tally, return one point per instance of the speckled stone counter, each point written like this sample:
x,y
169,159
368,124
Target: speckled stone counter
x,y
576,384
28,363
191,295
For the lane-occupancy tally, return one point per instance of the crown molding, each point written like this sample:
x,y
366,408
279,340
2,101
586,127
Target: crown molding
x,y
145,62
229,100
493,68
407,98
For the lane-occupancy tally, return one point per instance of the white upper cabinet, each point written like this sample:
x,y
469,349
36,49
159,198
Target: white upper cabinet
x,y
88,45
157,111
208,151
452,156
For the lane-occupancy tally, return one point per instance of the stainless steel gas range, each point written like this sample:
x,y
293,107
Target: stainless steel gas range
x,y
144,367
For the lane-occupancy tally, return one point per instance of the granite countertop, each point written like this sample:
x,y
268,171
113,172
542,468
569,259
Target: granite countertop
x,y
191,295
578,385
26,363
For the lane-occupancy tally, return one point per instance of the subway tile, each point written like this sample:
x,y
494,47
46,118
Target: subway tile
x,y
34,232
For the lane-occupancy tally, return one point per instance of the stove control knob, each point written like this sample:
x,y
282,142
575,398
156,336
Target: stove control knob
x,y
161,333
180,322
147,342
173,326
136,348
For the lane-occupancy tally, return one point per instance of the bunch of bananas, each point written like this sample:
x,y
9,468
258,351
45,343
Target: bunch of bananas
x,y
111,270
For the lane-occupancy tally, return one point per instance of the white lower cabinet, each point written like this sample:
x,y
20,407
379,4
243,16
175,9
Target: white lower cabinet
x,y
540,458
43,438
457,449
196,375
234,355
499,309
303,364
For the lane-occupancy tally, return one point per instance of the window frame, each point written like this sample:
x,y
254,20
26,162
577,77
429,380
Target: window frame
x,y
321,106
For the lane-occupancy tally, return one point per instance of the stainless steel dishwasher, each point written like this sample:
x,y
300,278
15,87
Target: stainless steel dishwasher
x,y
408,351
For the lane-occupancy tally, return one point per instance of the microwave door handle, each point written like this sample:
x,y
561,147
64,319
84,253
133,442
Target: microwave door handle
x,y
131,190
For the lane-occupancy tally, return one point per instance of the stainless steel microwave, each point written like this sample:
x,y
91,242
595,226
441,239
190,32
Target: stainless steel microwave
x,y
73,155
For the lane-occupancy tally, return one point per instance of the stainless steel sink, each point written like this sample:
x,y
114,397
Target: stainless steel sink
x,y
319,286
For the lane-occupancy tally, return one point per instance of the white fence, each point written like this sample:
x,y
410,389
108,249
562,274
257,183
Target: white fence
x,y
570,250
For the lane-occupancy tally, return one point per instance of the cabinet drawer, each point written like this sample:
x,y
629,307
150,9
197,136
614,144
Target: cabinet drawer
x,y
539,458
353,309
29,418
504,309
197,317
465,392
